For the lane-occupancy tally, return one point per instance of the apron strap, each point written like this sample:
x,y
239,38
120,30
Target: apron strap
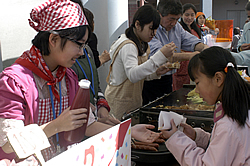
x,y
115,55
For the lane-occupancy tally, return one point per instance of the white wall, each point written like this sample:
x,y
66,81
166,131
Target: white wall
x,y
111,20
15,32
207,7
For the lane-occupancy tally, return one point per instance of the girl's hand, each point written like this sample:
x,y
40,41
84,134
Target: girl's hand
x,y
216,31
104,57
188,130
142,133
168,49
163,69
104,117
71,119
168,133
205,28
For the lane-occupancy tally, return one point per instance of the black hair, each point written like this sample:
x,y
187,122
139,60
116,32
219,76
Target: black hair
x,y
236,30
198,17
166,7
235,95
41,40
247,7
90,18
145,15
193,25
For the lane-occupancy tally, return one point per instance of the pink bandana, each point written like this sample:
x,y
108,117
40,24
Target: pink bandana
x,y
57,15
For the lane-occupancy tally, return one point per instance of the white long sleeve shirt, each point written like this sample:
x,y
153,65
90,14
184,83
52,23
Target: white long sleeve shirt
x,y
126,64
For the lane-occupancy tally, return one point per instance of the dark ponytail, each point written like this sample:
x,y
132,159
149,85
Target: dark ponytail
x,y
235,96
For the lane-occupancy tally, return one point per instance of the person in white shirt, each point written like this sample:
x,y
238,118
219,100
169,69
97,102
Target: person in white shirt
x,y
130,64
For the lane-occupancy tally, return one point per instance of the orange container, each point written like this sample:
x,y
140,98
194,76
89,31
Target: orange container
x,y
226,30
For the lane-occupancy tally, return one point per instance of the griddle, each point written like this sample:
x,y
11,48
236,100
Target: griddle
x,y
149,113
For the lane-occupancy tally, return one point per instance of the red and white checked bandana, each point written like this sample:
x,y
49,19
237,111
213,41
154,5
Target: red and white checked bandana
x,y
57,15
33,60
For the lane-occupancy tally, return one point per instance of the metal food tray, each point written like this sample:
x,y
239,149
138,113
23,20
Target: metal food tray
x,y
177,98
148,114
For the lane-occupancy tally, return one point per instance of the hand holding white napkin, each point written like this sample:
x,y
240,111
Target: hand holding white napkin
x,y
165,118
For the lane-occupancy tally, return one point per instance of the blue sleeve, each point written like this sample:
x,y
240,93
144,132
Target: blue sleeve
x,y
245,38
188,41
242,58
155,45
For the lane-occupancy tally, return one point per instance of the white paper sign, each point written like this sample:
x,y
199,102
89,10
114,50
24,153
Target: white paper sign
x,y
27,140
111,147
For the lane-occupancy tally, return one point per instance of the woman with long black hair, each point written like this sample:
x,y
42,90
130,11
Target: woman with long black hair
x,y
188,19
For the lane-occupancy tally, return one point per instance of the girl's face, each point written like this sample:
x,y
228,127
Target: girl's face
x,y
147,33
188,16
201,20
67,56
208,88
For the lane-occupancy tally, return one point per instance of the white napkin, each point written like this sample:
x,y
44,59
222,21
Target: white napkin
x,y
165,118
